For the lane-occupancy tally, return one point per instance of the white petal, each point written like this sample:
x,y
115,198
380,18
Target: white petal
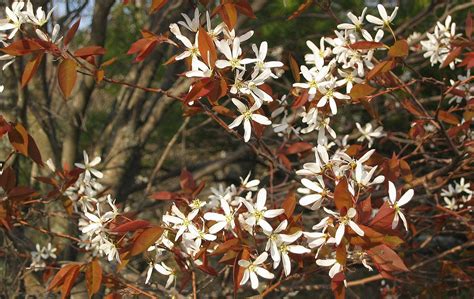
x,y
405,198
340,233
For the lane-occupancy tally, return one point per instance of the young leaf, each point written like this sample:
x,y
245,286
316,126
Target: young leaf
x,y
147,238
207,48
342,196
131,226
399,49
71,32
67,75
93,277
18,137
31,68
156,5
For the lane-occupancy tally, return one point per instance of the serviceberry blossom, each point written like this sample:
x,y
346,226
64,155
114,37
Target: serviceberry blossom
x,y
223,221
336,267
180,221
404,199
356,25
253,270
284,246
232,56
343,222
259,212
314,77
369,133
314,193
385,20
88,167
248,115
163,269
41,255
319,54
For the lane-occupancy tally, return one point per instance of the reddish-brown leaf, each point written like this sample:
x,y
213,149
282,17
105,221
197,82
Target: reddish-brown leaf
x,y
93,277
295,69
67,76
448,117
186,181
146,239
71,32
59,278
239,271
228,14
366,45
18,137
298,147
381,68
89,51
361,90
31,68
244,7
163,195
342,196
156,5
469,25
289,204
399,49
385,259
207,48
384,217
131,226
69,281
451,56
22,47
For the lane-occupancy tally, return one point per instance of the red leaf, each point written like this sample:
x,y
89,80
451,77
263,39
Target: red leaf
x,y
366,45
67,75
228,14
146,239
382,67
342,196
207,48
295,69
399,49
59,278
289,204
93,277
448,117
19,139
89,51
384,217
163,195
385,259
361,90
156,5
31,68
71,32
451,56
131,226
298,147
186,181
469,25
244,7
22,47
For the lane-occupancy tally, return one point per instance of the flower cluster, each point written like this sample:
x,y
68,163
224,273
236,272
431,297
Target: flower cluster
x,y
438,44
248,74
41,255
19,14
456,196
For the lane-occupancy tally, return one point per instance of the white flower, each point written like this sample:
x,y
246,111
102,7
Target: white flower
x,y
348,78
362,177
315,192
181,222
384,20
249,185
318,55
284,247
225,221
404,199
333,263
462,186
252,269
314,78
198,235
191,25
357,23
318,239
258,211
330,94
232,56
197,204
15,18
167,271
343,221
450,203
246,116
261,54
251,87
88,166
368,133
40,18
